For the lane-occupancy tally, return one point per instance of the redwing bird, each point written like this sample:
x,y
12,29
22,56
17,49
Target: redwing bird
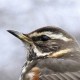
x,y
52,54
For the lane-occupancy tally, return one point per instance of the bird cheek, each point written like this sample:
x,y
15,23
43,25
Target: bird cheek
x,y
56,48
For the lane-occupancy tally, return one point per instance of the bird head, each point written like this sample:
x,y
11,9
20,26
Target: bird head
x,y
46,42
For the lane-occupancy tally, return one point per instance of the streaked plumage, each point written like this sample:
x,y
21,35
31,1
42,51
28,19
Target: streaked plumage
x,y
52,54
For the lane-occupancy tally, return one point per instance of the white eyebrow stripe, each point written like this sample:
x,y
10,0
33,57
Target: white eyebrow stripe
x,y
39,34
52,36
59,36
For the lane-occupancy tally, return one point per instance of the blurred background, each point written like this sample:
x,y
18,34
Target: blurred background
x,y
26,16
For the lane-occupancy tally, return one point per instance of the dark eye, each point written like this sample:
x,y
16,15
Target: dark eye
x,y
44,38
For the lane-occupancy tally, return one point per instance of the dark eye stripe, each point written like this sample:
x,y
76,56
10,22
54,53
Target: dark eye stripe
x,y
41,38
35,38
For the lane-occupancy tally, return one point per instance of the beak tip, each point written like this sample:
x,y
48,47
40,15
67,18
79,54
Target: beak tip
x,y
9,31
13,32
19,35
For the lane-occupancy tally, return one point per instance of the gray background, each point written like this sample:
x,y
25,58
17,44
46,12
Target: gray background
x,y
26,16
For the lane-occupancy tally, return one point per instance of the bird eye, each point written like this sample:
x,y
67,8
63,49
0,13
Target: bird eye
x,y
44,38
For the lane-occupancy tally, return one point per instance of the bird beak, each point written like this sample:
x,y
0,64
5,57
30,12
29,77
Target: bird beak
x,y
21,36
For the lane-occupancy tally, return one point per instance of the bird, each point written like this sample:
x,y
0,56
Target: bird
x,y
52,54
